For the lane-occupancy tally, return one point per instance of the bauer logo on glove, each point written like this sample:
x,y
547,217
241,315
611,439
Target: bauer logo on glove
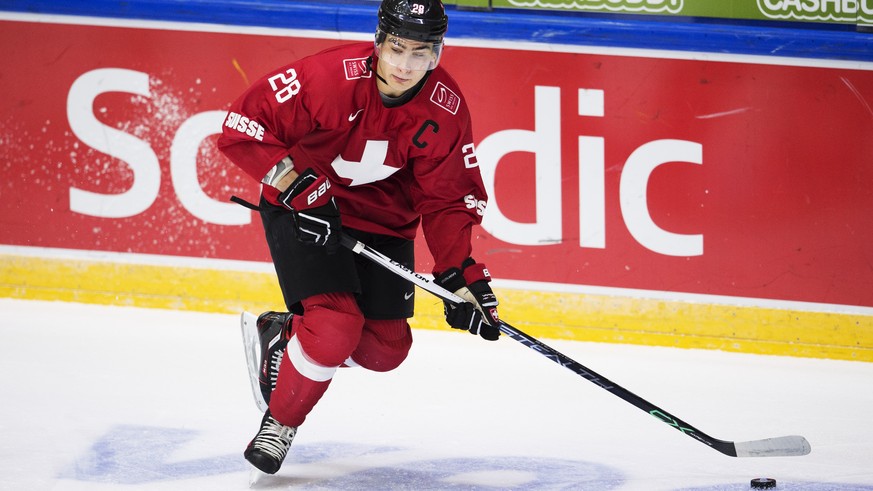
x,y
314,211
321,191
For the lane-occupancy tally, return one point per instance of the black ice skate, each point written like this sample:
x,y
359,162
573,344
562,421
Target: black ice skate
x,y
274,328
265,339
269,447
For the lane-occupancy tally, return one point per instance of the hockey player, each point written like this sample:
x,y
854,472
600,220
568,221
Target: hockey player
x,y
372,140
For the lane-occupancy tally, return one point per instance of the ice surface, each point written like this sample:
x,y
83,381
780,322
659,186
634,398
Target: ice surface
x,y
115,398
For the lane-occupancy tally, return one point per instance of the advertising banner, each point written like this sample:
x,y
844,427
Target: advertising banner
x,y
834,11
734,178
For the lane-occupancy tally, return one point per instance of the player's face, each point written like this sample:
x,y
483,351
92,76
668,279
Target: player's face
x,y
403,63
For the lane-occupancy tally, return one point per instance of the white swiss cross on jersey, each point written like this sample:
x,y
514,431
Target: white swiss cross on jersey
x,y
370,168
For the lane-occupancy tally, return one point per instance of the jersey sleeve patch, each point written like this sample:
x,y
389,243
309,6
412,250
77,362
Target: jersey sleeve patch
x,y
356,68
445,98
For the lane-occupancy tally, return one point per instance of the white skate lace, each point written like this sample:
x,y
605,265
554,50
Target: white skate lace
x,y
274,439
275,362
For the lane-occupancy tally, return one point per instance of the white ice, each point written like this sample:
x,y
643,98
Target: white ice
x,y
118,398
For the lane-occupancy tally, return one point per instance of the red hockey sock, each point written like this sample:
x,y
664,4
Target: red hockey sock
x,y
296,394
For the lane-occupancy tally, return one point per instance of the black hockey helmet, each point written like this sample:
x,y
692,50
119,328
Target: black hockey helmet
x,y
423,21
419,20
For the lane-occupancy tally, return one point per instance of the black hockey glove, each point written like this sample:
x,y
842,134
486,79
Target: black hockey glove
x,y
314,210
479,313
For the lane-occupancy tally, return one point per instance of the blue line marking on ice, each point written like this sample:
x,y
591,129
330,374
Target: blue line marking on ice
x,y
141,454
516,473
135,455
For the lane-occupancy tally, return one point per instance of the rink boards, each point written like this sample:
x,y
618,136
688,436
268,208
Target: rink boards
x,y
683,321
684,199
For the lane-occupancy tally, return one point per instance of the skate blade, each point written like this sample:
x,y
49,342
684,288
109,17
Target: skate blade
x,y
249,327
255,476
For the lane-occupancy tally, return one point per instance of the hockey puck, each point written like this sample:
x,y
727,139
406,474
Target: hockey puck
x,y
763,483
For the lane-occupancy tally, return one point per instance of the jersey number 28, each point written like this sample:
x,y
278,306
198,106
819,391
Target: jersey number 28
x,y
285,85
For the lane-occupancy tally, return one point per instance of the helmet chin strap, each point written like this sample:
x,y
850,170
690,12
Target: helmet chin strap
x,y
376,72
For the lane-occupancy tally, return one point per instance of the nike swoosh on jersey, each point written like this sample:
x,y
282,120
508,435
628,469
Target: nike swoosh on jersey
x,y
355,115
407,296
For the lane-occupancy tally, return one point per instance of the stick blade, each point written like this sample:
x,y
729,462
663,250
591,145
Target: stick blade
x,y
783,446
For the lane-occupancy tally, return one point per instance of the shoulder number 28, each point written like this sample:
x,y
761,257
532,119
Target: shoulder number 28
x,y
285,85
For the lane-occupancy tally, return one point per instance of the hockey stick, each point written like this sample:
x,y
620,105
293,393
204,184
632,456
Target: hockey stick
x,y
784,446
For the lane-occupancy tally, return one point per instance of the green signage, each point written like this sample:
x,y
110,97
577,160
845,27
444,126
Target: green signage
x,y
478,4
839,11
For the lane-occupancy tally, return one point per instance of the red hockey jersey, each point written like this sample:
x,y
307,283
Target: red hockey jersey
x,y
390,168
